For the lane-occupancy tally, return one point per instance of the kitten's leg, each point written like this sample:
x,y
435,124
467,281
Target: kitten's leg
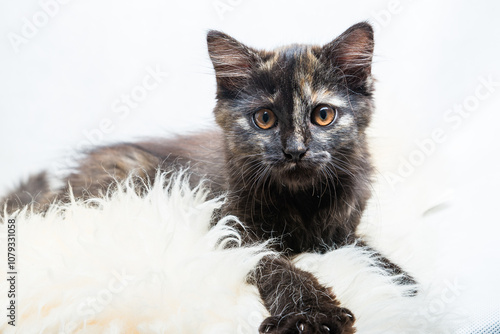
x,y
35,191
298,303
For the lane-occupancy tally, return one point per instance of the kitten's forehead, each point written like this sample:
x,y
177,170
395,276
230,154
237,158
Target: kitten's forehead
x,y
290,59
298,73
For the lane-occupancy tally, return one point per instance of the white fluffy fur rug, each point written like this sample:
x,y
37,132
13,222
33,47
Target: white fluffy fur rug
x,y
130,264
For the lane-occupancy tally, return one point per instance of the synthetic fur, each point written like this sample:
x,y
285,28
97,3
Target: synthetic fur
x,y
151,264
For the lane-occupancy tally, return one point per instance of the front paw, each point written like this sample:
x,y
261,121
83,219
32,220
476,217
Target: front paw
x,y
338,321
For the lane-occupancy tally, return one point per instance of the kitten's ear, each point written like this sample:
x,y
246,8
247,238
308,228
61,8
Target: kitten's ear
x,y
232,60
352,53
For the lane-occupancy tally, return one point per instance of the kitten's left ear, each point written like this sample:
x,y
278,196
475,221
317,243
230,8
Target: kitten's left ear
x,y
232,60
352,53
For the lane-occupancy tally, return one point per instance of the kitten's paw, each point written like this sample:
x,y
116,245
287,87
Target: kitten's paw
x,y
338,322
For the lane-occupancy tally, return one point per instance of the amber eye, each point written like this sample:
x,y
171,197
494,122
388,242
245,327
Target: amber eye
x,y
323,115
264,119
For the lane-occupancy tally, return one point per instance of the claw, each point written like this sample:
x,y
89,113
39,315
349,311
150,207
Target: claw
x,y
325,327
301,326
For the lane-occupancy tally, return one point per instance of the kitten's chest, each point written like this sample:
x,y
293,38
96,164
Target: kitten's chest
x,y
300,222
301,209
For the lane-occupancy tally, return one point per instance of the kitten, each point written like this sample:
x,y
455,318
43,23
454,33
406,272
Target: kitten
x,y
292,157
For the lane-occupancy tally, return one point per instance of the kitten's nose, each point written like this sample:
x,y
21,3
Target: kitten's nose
x,y
295,153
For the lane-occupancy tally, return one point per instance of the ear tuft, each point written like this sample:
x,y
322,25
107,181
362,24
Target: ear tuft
x,y
352,53
232,60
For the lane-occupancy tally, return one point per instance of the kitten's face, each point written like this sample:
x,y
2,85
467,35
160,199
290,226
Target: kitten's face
x,y
297,113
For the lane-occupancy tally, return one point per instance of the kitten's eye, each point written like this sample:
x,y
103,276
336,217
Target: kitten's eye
x,y
264,119
323,115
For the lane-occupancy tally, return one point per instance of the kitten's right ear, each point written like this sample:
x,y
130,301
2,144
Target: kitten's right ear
x,y
232,60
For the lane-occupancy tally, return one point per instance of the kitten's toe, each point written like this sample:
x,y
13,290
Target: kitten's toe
x,y
268,325
339,323
292,324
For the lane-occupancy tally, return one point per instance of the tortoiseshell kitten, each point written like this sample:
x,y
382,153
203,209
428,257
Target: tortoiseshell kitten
x,y
292,156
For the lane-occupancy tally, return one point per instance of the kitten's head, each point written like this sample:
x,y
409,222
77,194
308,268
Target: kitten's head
x,y
298,113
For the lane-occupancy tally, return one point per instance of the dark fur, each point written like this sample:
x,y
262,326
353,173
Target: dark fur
x,y
314,204
300,304
35,191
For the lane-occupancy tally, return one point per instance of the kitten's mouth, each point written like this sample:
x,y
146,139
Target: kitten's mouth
x,y
300,172
303,172
295,166
299,167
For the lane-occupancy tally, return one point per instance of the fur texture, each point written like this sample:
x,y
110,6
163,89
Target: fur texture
x,y
151,264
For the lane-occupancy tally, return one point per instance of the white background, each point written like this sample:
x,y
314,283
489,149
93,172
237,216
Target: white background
x,y
59,84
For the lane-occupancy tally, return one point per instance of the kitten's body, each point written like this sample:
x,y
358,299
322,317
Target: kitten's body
x,y
298,181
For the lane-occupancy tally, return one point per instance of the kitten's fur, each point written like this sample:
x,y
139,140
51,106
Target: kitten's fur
x,y
300,183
